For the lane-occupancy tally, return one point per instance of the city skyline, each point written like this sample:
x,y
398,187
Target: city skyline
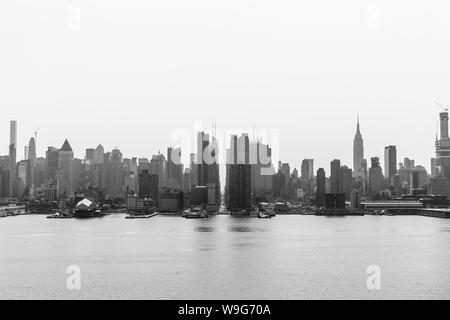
x,y
236,150
342,179
79,151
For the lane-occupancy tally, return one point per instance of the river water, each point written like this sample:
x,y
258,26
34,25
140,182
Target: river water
x,y
224,257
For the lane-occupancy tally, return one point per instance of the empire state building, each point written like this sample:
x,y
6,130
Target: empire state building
x,y
358,153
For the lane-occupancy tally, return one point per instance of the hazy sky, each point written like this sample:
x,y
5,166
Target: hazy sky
x,y
128,73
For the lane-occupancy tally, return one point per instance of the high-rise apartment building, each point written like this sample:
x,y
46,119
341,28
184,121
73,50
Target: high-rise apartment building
x,y
335,176
375,178
261,172
32,161
440,184
174,168
321,188
148,186
346,180
390,161
208,166
13,159
307,170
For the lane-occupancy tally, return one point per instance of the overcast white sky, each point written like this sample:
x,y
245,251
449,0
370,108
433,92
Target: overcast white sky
x,y
131,72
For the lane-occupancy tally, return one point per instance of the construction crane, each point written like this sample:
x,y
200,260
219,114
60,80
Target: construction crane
x,y
445,109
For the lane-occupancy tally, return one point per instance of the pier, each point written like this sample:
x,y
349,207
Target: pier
x,y
436,213
12,211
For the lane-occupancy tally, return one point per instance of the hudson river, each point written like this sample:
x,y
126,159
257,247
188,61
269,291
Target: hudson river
x,y
223,257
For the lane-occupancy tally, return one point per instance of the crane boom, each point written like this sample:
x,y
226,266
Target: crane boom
x,y
442,107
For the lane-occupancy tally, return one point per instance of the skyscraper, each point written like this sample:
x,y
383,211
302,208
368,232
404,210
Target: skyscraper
x,y
321,188
419,178
208,166
261,180
444,125
346,181
365,176
131,178
239,187
193,170
307,175
187,184
440,184
286,171
99,154
443,147
51,164
358,153
408,163
148,185
307,170
13,159
174,168
97,174
117,175
158,165
32,160
390,161
238,179
22,177
335,176
202,153
65,174
4,176
375,178
89,157
278,182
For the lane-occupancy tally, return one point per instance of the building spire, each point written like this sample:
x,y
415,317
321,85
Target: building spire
x,y
357,126
66,146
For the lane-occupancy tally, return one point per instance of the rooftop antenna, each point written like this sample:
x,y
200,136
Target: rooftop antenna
x,y
214,129
36,131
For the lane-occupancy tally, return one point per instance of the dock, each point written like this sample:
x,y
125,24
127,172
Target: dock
x,y
436,213
12,210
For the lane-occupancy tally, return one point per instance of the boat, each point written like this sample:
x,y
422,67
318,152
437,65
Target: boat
x,y
195,216
266,208
264,215
87,209
58,215
271,213
223,210
195,213
140,216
